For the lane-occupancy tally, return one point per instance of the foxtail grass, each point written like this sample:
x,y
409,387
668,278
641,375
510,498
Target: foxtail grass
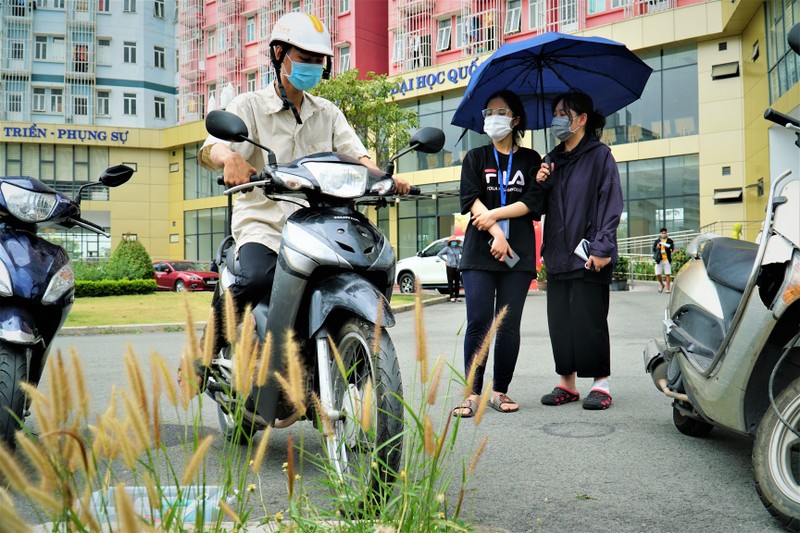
x,y
80,470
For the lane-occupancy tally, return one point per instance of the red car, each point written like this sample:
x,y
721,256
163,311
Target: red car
x,y
184,276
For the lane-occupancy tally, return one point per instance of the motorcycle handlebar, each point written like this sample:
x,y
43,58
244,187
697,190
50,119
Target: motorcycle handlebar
x,y
780,119
414,191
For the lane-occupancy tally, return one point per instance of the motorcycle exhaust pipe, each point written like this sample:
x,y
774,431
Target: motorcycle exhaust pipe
x,y
662,385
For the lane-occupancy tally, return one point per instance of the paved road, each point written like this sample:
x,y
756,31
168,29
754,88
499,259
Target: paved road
x,y
545,468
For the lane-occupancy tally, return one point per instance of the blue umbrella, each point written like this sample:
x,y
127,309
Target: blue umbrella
x,y
542,67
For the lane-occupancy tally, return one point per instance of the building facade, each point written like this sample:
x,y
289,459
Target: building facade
x,y
694,152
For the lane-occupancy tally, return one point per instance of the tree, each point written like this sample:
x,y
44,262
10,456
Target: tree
x,y
382,125
130,261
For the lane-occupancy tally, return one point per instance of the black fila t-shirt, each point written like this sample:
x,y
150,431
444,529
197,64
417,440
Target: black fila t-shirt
x,y
479,180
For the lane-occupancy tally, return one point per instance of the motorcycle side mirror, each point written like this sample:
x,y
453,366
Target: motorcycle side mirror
x,y
229,127
794,38
427,140
116,175
111,177
226,126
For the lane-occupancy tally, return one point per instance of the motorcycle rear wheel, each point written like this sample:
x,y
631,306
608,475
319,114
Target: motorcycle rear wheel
x,y
13,371
776,459
366,459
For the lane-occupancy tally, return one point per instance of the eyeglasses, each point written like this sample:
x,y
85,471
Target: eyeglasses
x,y
501,112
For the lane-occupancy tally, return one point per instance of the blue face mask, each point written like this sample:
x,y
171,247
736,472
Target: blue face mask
x,y
304,76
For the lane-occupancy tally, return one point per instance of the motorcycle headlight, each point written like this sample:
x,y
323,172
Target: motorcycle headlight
x,y
6,288
340,180
295,183
62,282
28,206
382,187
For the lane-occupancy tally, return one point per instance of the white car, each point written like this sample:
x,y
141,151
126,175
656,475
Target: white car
x,y
425,267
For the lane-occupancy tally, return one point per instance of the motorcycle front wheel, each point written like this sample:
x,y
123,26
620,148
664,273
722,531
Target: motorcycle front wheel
x,y
776,459
366,457
13,371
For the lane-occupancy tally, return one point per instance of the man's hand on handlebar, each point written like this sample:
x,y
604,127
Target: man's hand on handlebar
x,y
237,170
401,186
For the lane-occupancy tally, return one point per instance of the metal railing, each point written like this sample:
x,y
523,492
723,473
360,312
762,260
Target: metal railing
x,y
643,245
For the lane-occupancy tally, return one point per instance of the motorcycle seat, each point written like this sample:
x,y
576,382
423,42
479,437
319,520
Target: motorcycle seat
x,y
729,261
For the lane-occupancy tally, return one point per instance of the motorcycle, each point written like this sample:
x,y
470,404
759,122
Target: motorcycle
x,y
333,280
730,356
37,285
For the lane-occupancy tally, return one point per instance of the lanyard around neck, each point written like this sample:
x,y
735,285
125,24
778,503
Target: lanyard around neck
x,y
502,181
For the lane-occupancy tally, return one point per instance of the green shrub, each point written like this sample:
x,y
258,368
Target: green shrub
x,y
679,258
130,261
108,287
89,271
621,268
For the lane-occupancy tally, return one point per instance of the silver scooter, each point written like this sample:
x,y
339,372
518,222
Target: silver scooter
x,y
333,280
730,356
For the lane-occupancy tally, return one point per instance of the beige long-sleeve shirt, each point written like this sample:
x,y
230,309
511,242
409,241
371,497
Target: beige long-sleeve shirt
x,y
256,218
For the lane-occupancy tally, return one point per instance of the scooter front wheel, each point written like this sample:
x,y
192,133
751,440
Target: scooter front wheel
x,y
776,459
366,441
13,371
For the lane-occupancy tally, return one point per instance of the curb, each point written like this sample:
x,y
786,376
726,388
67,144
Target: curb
x,y
175,327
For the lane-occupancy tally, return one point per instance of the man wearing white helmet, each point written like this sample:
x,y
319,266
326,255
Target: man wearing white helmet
x,y
293,124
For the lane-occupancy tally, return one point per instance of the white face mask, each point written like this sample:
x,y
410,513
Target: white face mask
x,y
497,127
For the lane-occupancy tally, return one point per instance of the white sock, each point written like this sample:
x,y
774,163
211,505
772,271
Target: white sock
x,y
601,384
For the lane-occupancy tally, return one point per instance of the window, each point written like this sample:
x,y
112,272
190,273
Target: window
x,y
58,4
103,5
344,6
159,57
56,100
82,5
295,6
17,50
59,49
80,105
39,99
537,14
103,51
443,35
250,29
158,9
161,107
129,6
129,52
103,101
568,15
129,104
251,81
211,43
461,32
40,48
397,52
344,59
212,91
596,6
616,4
513,16
15,102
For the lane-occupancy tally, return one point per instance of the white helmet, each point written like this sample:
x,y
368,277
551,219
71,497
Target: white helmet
x,y
304,31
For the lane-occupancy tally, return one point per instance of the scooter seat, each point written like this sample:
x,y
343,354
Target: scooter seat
x,y
729,261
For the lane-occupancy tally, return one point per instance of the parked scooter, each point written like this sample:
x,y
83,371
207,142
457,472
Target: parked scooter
x,y
37,286
731,350
334,279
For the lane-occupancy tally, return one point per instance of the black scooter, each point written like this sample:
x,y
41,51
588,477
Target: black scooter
x,y
333,281
37,285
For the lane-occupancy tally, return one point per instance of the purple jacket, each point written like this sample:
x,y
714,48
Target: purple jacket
x,y
588,170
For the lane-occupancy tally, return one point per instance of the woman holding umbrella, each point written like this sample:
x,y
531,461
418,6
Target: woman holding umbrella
x,y
498,259
584,205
